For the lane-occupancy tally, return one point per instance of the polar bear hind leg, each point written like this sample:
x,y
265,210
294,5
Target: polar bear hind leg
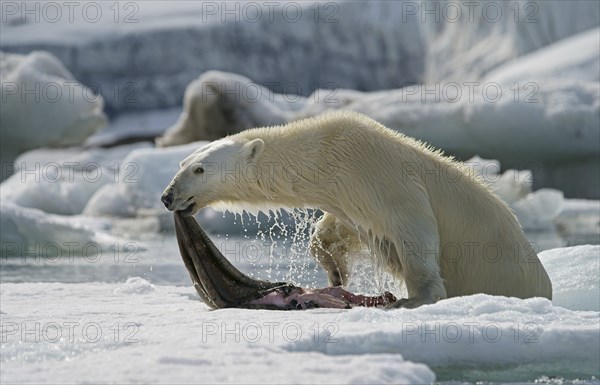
x,y
416,263
330,244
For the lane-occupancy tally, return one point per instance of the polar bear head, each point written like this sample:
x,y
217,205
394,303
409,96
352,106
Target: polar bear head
x,y
213,173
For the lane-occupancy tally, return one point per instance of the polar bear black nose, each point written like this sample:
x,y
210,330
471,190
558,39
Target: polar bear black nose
x,y
167,198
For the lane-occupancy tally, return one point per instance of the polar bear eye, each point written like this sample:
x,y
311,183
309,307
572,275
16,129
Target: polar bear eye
x,y
199,170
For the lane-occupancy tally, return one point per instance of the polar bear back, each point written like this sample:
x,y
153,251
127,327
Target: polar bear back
x,y
388,185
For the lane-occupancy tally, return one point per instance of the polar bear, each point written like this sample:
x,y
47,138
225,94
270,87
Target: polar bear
x,y
425,218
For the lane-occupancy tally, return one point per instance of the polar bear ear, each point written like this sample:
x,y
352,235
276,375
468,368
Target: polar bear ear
x,y
253,148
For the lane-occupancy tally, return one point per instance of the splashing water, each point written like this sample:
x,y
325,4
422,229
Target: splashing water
x,y
280,251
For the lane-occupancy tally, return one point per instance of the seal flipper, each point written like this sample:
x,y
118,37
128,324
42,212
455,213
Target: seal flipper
x,y
215,279
221,285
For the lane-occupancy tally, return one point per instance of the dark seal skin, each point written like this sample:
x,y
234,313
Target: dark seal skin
x,y
221,285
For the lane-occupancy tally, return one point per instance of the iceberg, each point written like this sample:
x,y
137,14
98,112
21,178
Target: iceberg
x,y
129,61
33,234
549,126
62,182
466,45
126,49
574,57
43,106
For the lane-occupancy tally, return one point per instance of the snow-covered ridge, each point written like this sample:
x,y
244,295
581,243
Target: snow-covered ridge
x,y
544,121
142,55
151,59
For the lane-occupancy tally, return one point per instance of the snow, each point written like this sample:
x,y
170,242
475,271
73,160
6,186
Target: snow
x,y
62,182
575,57
106,183
546,121
537,122
556,137
31,231
389,44
43,105
136,285
574,275
519,331
463,126
164,337
132,126
88,250
129,56
492,33
145,174
150,171
214,92
127,181
536,210
548,47
154,333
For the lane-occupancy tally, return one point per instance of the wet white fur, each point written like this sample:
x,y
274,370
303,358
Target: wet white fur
x,y
422,214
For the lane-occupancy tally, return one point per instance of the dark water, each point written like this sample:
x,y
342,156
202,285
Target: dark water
x,y
157,260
